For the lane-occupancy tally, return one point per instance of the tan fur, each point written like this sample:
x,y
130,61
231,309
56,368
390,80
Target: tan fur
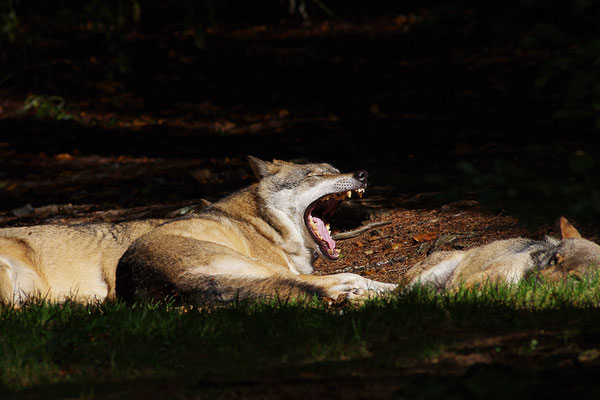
x,y
568,231
251,244
58,262
509,261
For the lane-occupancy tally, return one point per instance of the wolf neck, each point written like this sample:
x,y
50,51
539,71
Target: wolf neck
x,y
276,227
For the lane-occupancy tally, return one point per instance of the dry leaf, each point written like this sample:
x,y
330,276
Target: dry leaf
x,y
63,156
424,237
370,271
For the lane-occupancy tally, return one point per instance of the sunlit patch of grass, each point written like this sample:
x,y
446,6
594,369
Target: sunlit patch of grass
x,y
71,349
529,294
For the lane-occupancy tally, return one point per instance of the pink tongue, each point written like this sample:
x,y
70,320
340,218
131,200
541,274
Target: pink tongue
x,y
323,232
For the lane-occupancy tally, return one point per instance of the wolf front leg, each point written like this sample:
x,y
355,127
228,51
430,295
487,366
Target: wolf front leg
x,y
351,285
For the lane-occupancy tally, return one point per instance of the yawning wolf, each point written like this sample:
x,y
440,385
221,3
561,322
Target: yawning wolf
x,y
259,242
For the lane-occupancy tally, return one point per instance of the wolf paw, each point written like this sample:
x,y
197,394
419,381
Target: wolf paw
x,y
355,286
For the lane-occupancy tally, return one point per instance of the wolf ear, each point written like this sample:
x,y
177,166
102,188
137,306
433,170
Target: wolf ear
x,y
568,231
261,168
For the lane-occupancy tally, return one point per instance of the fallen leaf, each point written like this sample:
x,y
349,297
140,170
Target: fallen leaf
x,y
424,237
370,271
63,156
393,246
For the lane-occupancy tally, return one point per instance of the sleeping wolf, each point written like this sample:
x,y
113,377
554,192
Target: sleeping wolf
x,y
259,242
509,261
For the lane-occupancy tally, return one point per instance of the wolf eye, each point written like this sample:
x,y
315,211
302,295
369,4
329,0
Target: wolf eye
x,y
556,259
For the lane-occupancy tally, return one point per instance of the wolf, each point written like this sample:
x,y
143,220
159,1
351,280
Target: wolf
x,y
260,242
509,261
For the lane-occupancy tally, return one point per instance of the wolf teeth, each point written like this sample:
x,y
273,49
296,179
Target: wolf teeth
x,y
343,195
314,227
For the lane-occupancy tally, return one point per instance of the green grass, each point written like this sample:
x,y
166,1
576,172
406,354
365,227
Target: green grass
x,y
390,344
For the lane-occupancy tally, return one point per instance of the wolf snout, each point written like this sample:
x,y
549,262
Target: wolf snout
x,y
361,176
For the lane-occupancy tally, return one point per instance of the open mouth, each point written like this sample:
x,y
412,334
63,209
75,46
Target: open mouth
x,y
318,217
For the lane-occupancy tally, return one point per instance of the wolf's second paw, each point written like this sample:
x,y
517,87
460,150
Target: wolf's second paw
x,y
381,287
355,286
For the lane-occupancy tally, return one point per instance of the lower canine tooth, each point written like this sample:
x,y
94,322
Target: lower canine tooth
x,y
349,193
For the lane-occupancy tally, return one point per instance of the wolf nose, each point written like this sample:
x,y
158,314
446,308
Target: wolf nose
x,y
361,175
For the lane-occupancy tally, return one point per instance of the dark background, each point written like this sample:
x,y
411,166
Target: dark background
x,y
114,104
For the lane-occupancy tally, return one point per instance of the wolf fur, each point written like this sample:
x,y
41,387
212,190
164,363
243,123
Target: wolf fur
x,y
509,261
259,242
64,262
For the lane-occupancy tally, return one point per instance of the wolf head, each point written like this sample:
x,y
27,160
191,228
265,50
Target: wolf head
x,y
572,255
304,197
